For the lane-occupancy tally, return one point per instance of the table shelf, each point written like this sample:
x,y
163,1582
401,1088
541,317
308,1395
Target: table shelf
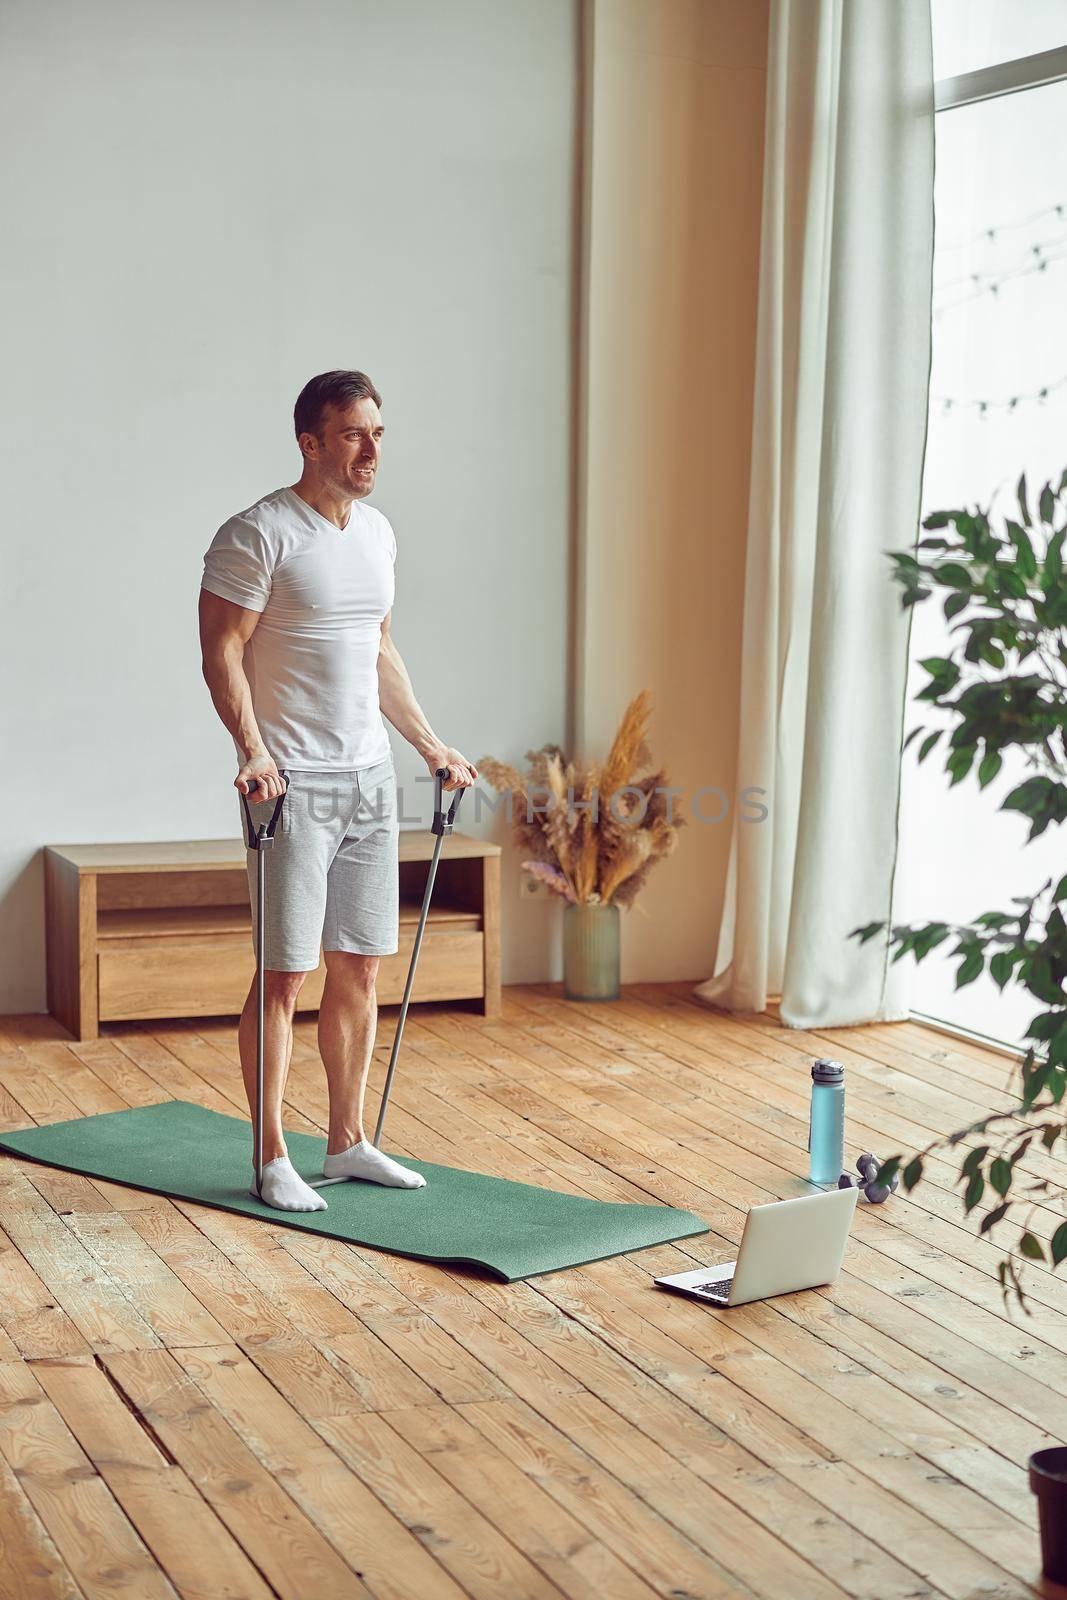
x,y
136,931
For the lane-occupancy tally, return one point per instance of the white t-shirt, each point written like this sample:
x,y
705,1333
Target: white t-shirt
x,y
323,591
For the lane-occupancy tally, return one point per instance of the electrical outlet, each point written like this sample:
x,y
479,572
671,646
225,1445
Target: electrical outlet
x,y
532,888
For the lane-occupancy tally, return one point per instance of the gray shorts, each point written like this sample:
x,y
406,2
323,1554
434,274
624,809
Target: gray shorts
x,y
332,873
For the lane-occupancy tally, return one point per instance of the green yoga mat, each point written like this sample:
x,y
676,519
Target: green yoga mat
x,y
515,1229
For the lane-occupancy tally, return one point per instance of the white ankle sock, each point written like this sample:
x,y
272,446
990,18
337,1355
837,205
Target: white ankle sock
x,y
364,1161
285,1189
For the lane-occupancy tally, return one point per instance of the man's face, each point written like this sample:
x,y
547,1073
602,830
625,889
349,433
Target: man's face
x,y
348,453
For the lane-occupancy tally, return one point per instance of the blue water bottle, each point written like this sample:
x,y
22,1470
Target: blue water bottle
x,y
826,1129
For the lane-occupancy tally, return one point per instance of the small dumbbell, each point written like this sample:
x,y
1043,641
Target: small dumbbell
x,y
867,1166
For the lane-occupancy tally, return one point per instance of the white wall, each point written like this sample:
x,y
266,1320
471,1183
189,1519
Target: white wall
x,y
205,204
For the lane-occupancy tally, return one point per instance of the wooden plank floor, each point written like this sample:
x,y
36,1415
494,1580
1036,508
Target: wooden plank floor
x,y
200,1404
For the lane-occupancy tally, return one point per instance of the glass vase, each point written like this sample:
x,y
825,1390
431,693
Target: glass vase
x,y
591,952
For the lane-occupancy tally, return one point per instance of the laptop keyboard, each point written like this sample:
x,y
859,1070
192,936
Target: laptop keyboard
x,y
718,1290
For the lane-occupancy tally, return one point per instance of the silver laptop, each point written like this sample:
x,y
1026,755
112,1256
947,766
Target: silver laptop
x,y
787,1245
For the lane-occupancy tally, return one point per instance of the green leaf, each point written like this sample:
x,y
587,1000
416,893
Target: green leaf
x,y
937,519
1040,981
959,764
1001,967
990,766
974,1191
1034,1080
1009,582
1057,1045
1049,1134
1033,797
941,667
911,1174
954,604
1046,503
954,575
929,939
1000,1175
887,1169
1021,493
928,744
1043,1026
1031,1248
973,1160
969,968
1027,562
1058,1244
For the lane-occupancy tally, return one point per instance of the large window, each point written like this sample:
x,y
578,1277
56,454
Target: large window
x,y
970,34
998,408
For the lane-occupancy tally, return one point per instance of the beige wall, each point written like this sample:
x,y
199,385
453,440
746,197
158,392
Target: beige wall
x,y
673,169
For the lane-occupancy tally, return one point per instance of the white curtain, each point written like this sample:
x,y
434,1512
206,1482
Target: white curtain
x,y
839,431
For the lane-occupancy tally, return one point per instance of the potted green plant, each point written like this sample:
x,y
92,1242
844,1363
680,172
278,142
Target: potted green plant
x,y
591,832
1004,685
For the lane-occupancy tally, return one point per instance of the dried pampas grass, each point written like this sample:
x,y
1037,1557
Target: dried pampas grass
x,y
592,832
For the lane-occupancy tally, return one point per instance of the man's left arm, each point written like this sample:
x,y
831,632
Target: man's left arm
x,y
397,700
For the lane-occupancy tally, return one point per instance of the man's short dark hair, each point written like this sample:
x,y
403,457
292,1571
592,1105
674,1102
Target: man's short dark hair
x,y
338,389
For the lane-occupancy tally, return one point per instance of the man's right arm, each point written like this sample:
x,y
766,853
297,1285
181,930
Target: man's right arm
x,y
225,629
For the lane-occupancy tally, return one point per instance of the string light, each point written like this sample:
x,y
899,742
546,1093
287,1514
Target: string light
x,y
983,407
993,285
992,235
1038,257
1038,251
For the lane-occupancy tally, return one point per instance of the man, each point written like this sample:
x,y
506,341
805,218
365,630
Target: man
x,y
295,611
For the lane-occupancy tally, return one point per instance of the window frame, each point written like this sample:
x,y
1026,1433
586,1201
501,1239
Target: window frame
x,y
1003,77
966,89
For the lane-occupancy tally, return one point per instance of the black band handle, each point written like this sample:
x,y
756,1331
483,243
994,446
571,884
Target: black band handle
x,y
442,821
266,830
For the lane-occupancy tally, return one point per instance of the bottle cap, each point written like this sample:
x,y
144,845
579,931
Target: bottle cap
x,y
824,1071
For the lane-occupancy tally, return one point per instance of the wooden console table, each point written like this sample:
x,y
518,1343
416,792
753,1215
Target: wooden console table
x,y
165,930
